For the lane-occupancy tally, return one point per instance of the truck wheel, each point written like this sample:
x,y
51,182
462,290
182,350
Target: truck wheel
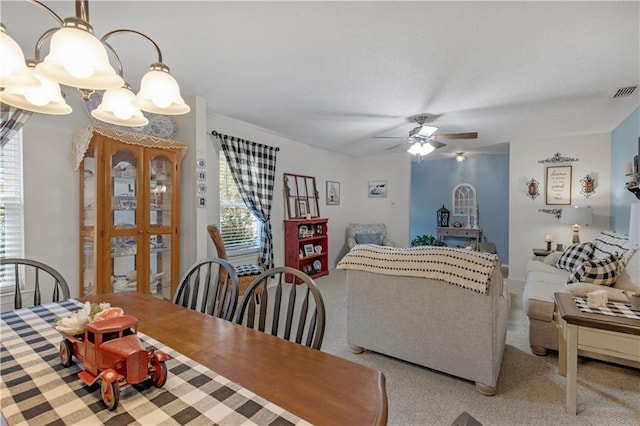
x,y
66,352
159,376
110,394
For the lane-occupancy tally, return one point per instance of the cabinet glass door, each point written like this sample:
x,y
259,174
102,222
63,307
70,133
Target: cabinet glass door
x,y
160,192
124,206
160,265
88,265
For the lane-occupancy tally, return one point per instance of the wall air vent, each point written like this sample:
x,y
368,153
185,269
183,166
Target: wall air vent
x,y
625,91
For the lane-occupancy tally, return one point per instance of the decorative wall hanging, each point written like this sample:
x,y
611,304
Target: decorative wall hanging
x,y
588,186
558,158
556,212
558,186
532,189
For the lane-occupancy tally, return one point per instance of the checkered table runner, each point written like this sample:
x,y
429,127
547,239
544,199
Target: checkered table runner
x,y
616,309
36,389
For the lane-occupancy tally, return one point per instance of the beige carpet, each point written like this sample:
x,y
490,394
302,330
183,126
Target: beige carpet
x,y
529,390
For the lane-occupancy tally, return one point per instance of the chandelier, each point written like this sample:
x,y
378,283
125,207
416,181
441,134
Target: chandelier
x,y
77,58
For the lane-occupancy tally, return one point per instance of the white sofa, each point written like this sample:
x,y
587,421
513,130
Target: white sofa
x,y
429,322
543,279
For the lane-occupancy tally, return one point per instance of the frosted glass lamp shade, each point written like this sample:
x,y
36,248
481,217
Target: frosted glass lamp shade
x,y
13,70
77,58
420,148
634,225
159,93
117,107
45,98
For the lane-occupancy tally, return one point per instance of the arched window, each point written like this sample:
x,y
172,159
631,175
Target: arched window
x,y
465,208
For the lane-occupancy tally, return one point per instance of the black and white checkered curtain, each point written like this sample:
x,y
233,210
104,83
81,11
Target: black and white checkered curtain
x,y
253,167
11,121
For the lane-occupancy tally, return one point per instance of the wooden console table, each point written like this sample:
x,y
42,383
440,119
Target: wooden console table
x,y
598,333
453,232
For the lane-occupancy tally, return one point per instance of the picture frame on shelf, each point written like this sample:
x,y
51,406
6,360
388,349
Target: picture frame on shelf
x,y
333,193
308,249
558,185
302,208
377,189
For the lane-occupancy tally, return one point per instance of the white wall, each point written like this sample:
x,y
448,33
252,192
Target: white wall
x,y
528,227
51,189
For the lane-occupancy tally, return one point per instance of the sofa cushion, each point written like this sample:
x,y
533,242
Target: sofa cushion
x,y
597,271
574,255
369,238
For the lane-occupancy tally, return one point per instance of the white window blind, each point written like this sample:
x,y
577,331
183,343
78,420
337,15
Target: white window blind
x,y
11,206
239,227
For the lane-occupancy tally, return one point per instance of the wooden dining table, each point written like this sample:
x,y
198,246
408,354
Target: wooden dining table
x,y
318,387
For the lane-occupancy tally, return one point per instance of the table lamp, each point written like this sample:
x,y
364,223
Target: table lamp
x,y
576,216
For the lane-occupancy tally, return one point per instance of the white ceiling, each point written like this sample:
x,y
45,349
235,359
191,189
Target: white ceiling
x,y
335,74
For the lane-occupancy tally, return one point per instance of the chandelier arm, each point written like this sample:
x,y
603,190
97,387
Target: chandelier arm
x,y
120,31
41,41
116,57
47,9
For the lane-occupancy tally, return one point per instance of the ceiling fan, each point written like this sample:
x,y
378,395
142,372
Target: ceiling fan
x,y
423,138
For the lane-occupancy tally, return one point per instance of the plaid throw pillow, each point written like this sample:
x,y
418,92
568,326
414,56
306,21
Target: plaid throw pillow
x,y
574,255
597,271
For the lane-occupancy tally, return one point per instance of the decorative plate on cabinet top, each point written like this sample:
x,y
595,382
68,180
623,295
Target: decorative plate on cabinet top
x,y
317,265
161,126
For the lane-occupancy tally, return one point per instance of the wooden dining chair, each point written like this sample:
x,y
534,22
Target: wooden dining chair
x,y
246,273
211,287
294,312
30,275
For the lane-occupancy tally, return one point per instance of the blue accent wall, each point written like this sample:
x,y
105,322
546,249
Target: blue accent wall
x,y
432,184
624,145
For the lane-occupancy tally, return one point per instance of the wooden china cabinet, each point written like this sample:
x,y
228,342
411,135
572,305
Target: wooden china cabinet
x,y
129,196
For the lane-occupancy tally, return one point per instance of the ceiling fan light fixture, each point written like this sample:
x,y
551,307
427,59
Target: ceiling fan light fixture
x,y
13,70
460,157
421,149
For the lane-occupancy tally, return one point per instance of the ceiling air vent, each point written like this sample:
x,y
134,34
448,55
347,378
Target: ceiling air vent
x,y
624,91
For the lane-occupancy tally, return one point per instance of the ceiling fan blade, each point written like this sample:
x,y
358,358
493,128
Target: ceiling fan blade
x,y
450,136
436,144
395,146
388,137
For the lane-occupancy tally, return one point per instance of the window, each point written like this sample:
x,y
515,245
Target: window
x,y
239,227
11,206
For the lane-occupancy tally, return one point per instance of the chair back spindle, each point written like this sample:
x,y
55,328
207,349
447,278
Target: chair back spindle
x,y
44,276
303,308
209,286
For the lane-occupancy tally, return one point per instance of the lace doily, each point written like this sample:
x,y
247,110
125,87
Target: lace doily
x,y
82,138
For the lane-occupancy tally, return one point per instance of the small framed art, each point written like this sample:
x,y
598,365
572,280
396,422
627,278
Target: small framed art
x,y
308,249
377,189
333,193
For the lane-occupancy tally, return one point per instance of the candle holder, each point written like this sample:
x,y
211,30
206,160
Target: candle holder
x,y
548,245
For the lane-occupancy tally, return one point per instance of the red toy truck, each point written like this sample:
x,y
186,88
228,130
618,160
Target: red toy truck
x,y
110,351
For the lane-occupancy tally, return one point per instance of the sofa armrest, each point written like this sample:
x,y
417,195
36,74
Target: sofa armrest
x,y
351,242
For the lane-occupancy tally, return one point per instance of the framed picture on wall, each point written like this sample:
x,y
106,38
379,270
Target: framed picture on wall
x,y
333,193
558,186
377,189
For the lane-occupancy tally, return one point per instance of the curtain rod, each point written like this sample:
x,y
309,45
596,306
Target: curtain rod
x,y
216,133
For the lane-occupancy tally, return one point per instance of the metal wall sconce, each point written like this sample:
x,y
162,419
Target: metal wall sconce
x,y
588,186
532,189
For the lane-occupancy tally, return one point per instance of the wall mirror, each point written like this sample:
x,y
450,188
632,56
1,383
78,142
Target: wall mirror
x,y
301,196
